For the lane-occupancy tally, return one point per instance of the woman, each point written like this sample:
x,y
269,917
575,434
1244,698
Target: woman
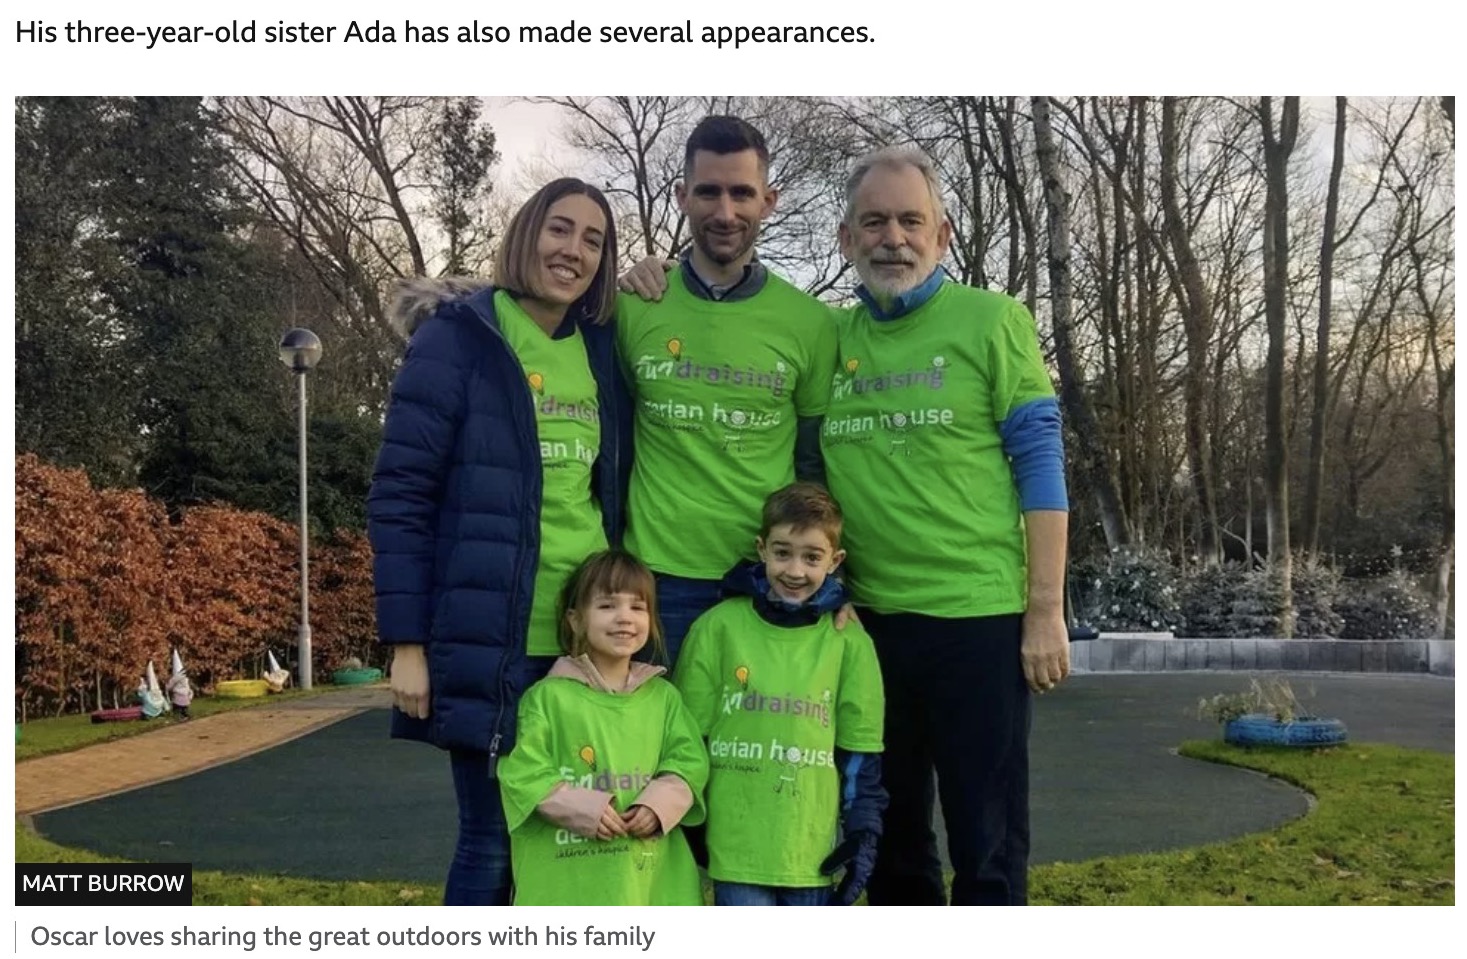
x,y
503,464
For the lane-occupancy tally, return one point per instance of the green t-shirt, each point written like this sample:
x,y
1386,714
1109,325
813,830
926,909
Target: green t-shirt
x,y
612,743
914,456
718,386
559,379
774,704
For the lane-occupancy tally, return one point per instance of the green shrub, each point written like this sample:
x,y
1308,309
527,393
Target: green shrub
x,y
1257,604
1232,600
1129,590
1392,607
1208,594
1317,592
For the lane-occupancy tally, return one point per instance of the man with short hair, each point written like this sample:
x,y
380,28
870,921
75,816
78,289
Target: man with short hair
x,y
730,371
942,443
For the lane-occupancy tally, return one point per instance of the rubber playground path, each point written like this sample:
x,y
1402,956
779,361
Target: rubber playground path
x,y
316,789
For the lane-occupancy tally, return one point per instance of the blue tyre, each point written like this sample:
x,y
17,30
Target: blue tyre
x,y
1259,730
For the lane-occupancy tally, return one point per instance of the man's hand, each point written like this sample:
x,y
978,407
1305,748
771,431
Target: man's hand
x,y
611,824
410,679
857,855
641,822
1046,649
846,614
648,279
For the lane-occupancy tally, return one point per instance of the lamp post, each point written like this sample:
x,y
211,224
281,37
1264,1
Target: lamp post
x,y
300,350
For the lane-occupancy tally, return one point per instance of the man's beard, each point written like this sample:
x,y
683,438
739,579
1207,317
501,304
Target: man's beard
x,y
884,285
721,257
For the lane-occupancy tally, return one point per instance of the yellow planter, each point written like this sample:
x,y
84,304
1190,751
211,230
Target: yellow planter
x,y
241,688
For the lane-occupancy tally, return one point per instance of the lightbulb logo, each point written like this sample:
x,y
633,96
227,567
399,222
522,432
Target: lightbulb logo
x,y
675,347
588,756
742,675
537,383
845,378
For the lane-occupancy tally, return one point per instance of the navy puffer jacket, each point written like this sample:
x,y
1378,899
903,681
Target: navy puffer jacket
x,y
454,510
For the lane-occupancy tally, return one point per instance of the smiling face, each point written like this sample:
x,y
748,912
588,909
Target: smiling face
x,y
568,250
725,197
797,561
894,236
615,627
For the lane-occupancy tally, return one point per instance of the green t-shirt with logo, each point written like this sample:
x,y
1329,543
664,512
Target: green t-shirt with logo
x,y
774,703
718,386
613,743
558,376
914,456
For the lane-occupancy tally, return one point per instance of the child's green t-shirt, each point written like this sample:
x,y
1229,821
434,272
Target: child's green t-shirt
x,y
612,743
774,703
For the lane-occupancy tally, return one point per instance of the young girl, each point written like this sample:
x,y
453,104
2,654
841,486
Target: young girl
x,y
608,762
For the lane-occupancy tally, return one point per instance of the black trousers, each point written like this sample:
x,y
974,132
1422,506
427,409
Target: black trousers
x,y
957,706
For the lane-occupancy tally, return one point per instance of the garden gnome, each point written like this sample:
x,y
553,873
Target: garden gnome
x,y
151,695
179,691
275,677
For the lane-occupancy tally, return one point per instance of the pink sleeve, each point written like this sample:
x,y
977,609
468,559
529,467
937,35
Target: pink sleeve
x,y
576,809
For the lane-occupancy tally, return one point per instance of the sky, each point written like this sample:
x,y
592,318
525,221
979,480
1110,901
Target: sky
x,y
524,132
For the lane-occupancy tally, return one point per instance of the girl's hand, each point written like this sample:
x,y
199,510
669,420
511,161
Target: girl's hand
x,y
611,825
641,822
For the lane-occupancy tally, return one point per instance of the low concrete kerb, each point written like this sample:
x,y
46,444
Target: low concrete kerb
x,y
1162,652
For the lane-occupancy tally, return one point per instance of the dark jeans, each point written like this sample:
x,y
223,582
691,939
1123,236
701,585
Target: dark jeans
x,y
956,704
742,894
680,601
480,873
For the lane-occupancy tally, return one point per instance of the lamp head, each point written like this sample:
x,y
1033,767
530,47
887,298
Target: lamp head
x,y
300,350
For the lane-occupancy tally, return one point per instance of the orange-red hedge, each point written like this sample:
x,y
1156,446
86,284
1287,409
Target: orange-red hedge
x,y
104,582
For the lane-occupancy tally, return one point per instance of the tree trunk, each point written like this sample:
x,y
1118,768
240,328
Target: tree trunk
x,y
1094,460
1318,418
1277,146
1197,322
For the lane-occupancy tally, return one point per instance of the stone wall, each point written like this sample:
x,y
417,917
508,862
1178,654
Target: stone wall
x,y
1162,652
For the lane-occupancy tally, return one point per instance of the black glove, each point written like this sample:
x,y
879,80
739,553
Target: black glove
x,y
697,837
857,854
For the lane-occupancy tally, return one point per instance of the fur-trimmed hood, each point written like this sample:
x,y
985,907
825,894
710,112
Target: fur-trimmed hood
x,y
417,297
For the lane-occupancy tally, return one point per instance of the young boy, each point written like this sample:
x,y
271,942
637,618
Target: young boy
x,y
792,710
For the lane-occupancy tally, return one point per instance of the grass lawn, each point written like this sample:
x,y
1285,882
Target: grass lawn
x,y
1383,832
42,737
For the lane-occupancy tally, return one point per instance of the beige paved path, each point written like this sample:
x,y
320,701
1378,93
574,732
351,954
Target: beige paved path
x,y
178,749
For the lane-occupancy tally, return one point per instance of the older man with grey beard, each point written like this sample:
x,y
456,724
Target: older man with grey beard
x,y
942,443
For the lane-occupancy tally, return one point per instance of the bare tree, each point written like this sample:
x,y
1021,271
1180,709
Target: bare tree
x,y
635,145
1430,252
1320,399
1094,462
343,180
1278,144
1197,321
